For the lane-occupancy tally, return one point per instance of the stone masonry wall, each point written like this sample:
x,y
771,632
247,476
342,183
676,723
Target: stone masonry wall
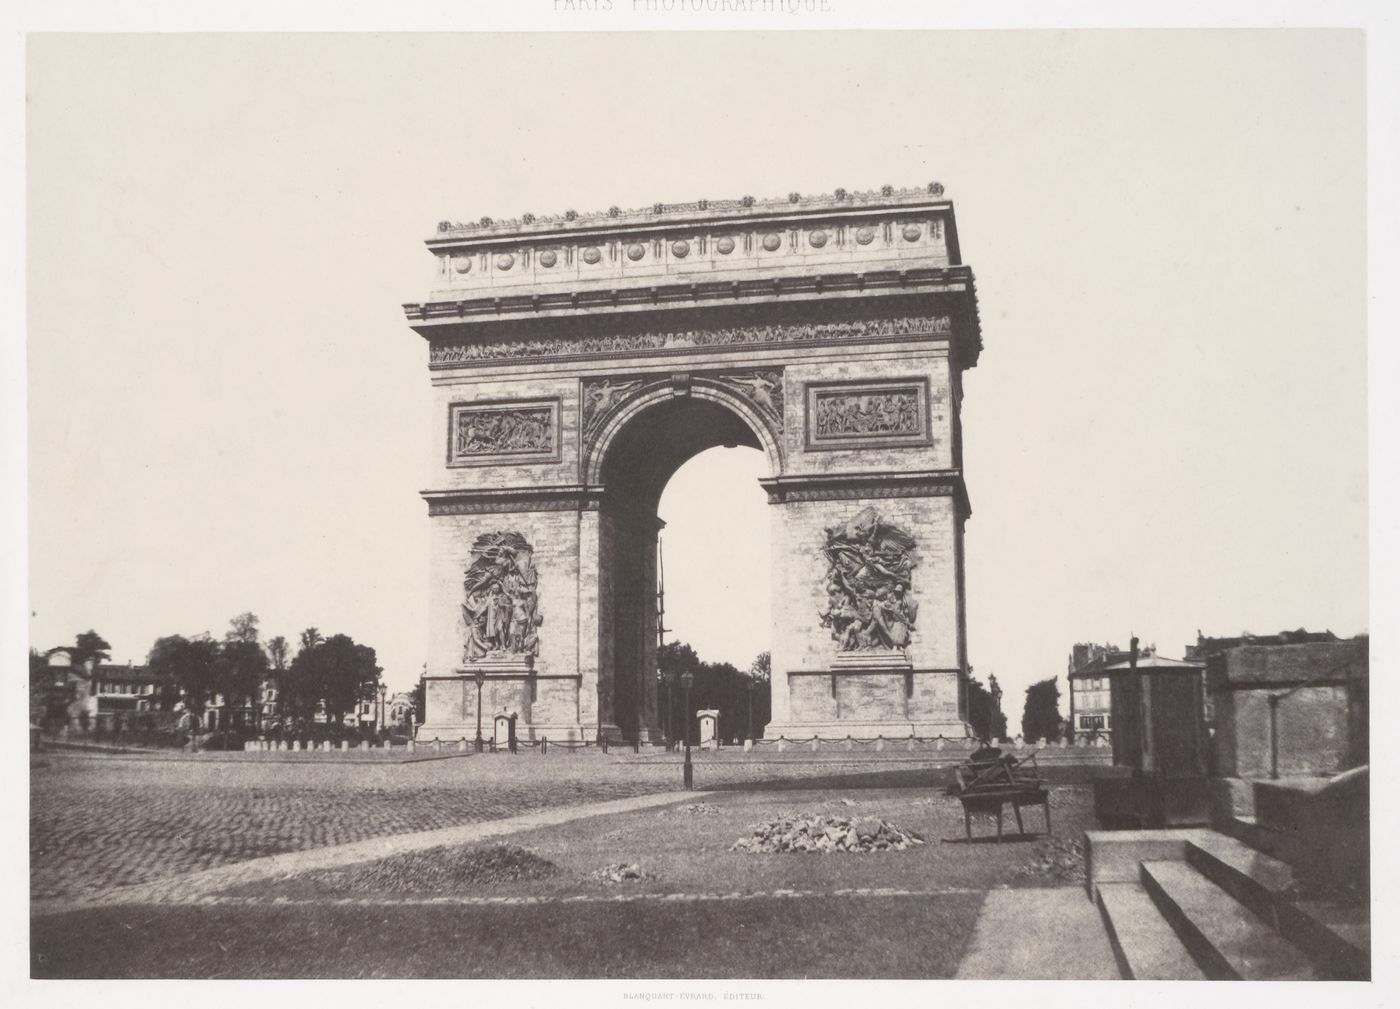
x,y
802,644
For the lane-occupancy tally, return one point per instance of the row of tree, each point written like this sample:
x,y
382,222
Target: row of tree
x,y
718,685
327,674
1040,717
330,674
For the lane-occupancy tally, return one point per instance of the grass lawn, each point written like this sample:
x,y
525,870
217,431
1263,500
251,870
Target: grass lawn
x,y
688,852
682,849
821,937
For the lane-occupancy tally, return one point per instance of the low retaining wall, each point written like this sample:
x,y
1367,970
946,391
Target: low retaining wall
x,y
1099,750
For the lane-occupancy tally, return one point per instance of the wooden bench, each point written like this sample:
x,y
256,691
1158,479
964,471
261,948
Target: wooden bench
x,y
986,786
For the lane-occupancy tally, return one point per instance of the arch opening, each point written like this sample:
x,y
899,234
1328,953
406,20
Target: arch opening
x,y
636,467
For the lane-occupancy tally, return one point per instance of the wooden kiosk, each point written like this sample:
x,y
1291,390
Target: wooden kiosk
x,y
1161,750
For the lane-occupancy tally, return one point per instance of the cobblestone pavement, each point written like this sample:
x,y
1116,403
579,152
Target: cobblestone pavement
x,y
102,822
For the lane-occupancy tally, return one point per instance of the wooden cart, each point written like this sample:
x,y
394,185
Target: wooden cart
x,y
987,787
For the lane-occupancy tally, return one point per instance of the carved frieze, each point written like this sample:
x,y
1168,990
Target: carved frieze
x,y
445,355
502,610
496,433
868,414
869,562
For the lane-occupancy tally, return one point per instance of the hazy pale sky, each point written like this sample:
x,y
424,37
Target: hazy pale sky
x,y
228,411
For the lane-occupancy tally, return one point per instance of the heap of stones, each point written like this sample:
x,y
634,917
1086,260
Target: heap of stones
x,y
692,809
825,834
618,872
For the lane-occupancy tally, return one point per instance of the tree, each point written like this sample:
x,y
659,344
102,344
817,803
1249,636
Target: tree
x,y
278,652
760,689
310,638
334,670
1041,719
91,645
38,669
241,668
672,660
192,664
718,685
420,698
243,627
241,664
982,714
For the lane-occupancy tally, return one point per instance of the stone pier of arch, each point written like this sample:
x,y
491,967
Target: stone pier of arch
x,y
576,363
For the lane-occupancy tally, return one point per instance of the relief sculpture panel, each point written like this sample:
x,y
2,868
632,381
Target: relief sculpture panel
x,y
874,414
502,609
484,434
869,561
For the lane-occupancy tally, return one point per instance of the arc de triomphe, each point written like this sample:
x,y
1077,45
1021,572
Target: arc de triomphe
x,y
576,362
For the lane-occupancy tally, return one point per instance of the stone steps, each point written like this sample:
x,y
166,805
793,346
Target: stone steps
x,y
1337,936
1144,944
1227,940
1187,904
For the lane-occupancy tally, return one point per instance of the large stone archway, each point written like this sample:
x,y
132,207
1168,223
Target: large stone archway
x,y
578,362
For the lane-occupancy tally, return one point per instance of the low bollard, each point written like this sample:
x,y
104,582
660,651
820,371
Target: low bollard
x,y
412,746
544,745
344,745
748,746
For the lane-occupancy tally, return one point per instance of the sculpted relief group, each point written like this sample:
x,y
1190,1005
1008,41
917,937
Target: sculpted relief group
x,y
868,583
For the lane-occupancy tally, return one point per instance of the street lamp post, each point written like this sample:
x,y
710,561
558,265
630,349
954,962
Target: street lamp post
x,y
480,679
379,722
666,711
687,679
751,686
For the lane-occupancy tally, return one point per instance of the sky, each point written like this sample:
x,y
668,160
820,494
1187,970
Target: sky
x,y
1167,430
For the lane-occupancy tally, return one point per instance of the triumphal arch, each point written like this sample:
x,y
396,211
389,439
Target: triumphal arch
x,y
578,361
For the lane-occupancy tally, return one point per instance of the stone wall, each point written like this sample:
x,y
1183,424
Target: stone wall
x,y
1319,684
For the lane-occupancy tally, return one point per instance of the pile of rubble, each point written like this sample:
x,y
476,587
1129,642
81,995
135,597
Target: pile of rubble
x,y
1057,859
693,808
812,833
619,873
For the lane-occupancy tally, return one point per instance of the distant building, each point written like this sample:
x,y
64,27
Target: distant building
x,y
401,709
128,688
102,692
267,704
1090,708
